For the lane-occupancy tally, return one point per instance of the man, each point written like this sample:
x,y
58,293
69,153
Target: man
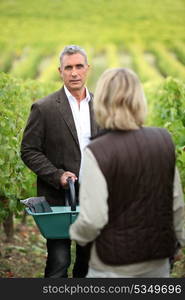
x,y
59,127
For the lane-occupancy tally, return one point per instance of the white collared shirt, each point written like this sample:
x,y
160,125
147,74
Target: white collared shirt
x,y
81,116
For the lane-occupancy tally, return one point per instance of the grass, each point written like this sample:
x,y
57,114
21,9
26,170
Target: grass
x,y
96,22
34,34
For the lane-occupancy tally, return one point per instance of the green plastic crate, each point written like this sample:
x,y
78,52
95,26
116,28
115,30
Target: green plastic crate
x,y
55,224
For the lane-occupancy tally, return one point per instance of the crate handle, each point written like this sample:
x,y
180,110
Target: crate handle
x,y
72,195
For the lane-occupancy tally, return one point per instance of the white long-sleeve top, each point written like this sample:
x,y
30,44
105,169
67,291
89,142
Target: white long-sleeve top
x,y
93,217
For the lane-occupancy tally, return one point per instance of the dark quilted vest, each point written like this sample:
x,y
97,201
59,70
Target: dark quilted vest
x,y
139,169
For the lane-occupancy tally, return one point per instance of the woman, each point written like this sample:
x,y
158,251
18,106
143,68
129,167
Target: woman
x,y
129,209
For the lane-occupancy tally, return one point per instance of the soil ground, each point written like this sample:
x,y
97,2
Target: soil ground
x,y
25,256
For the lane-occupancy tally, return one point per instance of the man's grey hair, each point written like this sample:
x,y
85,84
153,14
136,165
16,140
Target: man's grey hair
x,y
72,49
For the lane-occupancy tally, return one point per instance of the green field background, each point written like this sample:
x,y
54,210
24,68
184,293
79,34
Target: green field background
x,y
145,35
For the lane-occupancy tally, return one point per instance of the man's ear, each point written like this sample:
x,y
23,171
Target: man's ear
x,y
88,68
60,72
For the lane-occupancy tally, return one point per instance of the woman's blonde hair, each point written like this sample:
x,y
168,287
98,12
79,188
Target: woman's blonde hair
x,y
119,100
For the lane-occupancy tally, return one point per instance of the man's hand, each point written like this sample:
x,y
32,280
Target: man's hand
x,y
63,178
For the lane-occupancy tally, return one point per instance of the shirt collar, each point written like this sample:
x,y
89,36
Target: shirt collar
x,y
70,96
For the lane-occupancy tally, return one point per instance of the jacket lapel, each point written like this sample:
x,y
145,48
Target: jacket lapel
x,y
92,117
65,110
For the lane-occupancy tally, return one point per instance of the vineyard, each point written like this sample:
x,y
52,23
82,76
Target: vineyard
x,y
152,63
144,35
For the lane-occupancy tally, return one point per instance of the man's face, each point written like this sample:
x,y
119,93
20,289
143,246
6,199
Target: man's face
x,y
74,71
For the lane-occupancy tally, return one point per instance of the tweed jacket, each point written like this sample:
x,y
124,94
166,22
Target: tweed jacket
x,y
50,144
